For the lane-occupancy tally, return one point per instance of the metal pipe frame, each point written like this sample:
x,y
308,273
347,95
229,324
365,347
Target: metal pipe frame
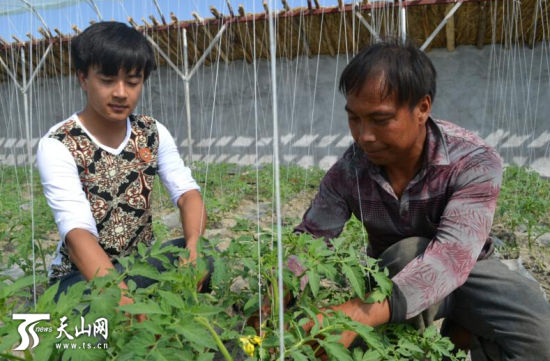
x,y
207,51
367,25
440,26
187,97
38,66
165,56
11,75
37,15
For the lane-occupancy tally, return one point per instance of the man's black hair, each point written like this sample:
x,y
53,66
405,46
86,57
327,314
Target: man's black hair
x,y
112,46
406,72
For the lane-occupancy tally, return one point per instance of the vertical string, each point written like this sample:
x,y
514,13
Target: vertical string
x,y
255,87
276,166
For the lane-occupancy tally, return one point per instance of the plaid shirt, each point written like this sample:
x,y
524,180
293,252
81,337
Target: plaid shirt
x,y
451,201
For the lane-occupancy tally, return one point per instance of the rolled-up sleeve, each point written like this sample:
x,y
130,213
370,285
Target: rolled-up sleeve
x,y
463,229
173,173
63,189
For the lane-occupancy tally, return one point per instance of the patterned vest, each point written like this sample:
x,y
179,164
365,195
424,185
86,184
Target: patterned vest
x,y
118,187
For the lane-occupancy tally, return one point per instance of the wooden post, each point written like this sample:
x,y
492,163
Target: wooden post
x,y
326,35
450,29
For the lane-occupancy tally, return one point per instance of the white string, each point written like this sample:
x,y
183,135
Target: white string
x,y
259,251
276,175
28,136
335,81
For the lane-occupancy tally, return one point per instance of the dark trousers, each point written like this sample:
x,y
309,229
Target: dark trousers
x,y
141,282
505,312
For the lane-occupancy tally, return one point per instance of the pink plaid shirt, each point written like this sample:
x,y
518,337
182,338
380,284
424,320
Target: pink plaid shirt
x,y
451,201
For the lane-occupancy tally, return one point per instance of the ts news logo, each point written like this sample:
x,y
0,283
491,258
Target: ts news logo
x,y
30,321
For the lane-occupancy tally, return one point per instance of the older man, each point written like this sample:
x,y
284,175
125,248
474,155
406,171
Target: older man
x,y
426,192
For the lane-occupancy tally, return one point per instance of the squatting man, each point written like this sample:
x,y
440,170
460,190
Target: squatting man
x,y
426,192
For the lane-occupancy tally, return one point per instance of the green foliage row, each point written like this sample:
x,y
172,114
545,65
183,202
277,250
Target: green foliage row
x,y
202,326
17,199
524,202
185,324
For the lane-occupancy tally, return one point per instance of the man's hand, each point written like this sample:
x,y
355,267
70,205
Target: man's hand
x,y
125,300
346,338
192,261
193,255
370,314
193,222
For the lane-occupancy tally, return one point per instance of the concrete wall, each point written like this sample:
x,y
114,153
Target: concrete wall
x,y
503,94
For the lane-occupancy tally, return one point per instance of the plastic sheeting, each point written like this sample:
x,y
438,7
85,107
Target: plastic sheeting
x,y
9,7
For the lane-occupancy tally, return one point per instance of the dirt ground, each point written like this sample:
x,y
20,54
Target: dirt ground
x,y
535,257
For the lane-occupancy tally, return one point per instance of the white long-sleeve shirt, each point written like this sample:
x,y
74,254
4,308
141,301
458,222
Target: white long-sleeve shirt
x,y
63,189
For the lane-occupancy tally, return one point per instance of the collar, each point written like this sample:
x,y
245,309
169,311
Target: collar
x,y
436,151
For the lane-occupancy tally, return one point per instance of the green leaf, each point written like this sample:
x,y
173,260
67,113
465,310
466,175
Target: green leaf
x,y
141,307
172,299
353,274
208,356
328,270
157,355
384,282
409,346
145,270
171,276
9,340
251,304
357,354
314,282
221,274
142,250
336,350
430,332
46,300
298,356
140,343
376,296
371,355
313,316
204,310
8,290
367,333
196,334
105,303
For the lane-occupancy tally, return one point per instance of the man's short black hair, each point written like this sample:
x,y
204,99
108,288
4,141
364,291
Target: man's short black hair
x,y
406,71
111,46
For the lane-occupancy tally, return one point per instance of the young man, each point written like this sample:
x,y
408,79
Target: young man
x,y
98,166
426,192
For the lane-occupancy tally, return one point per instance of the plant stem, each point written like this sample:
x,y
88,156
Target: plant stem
x,y
41,251
310,338
203,321
11,357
